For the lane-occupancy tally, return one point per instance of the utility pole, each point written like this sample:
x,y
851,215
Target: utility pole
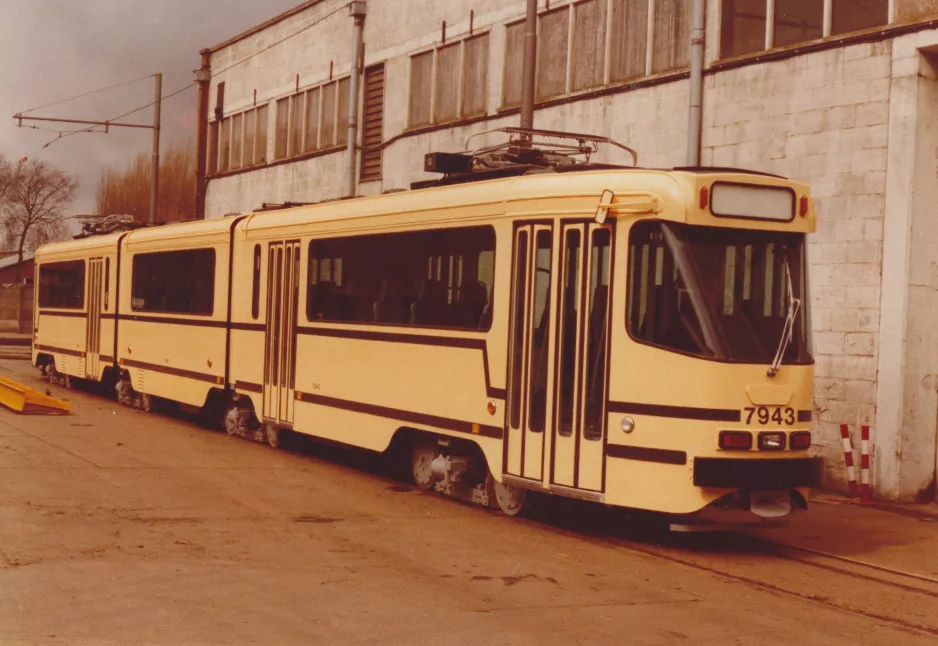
x,y
529,66
358,10
155,171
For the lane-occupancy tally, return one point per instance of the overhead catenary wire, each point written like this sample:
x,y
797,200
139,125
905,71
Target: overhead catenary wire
x,y
88,93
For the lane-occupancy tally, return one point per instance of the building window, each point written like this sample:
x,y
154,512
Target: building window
x,y
213,148
296,123
312,120
439,278
797,21
854,15
589,44
283,128
554,31
475,87
671,35
224,152
260,145
249,127
175,282
342,110
237,139
629,39
421,89
514,65
750,26
327,129
449,83
446,90
62,284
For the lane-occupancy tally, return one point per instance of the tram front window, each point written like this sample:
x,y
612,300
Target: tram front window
x,y
717,293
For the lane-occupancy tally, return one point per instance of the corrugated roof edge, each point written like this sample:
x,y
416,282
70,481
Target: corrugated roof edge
x,y
261,27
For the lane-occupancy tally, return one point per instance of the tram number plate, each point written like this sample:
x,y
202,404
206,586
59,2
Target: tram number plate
x,y
766,415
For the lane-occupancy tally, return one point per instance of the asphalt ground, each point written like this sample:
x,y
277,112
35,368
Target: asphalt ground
x,y
122,527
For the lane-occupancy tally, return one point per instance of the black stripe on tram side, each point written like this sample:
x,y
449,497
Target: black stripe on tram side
x,y
676,412
176,372
78,314
409,417
646,454
66,351
231,237
415,339
248,386
248,327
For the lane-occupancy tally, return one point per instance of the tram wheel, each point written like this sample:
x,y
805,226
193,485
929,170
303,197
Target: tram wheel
x,y
510,499
423,452
272,432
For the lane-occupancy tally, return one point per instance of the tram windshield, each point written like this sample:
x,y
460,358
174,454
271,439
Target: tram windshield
x,y
717,293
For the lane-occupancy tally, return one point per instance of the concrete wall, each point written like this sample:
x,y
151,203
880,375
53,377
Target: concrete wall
x,y
858,122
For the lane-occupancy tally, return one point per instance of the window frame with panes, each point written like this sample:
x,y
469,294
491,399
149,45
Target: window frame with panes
x,y
426,98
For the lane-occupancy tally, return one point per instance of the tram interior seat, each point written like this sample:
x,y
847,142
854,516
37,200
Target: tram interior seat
x,y
392,306
471,304
431,307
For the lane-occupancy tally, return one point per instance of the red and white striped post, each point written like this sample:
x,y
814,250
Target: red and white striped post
x,y
865,493
848,460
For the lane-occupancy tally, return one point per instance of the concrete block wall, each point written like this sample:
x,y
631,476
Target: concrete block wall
x,y
822,118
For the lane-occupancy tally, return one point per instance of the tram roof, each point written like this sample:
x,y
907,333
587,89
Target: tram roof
x,y
81,247
673,192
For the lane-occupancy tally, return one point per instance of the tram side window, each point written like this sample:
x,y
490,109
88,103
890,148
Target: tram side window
x,y
256,283
176,282
62,284
440,278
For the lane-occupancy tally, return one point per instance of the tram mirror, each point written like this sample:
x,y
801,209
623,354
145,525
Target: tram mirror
x,y
602,211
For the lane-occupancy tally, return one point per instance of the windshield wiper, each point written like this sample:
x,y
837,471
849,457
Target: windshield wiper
x,y
794,305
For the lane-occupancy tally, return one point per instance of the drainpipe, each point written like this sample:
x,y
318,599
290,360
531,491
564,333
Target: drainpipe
x,y
698,15
203,76
529,67
357,10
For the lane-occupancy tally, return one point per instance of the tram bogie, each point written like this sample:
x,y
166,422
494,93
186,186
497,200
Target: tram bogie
x,y
633,337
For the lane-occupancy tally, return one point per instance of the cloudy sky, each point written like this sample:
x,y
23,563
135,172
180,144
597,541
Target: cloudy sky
x,y
54,49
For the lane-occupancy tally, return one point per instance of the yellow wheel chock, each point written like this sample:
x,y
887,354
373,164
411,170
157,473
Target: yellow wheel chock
x,y
28,401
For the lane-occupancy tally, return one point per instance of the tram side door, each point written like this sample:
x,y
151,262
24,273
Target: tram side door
x,y
582,356
93,328
283,290
530,363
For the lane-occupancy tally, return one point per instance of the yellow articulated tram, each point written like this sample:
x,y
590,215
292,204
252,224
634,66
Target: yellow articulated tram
x,y
628,336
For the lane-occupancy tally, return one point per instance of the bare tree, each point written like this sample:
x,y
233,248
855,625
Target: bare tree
x,y
6,176
33,211
127,190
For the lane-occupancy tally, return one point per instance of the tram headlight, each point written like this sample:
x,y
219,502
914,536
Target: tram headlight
x,y
628,424
772,441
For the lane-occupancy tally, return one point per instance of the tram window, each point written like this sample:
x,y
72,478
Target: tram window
x,y
567,330
256,283
517,343
724,295
62,284
540,333
177,282
596,334
107,281
440,278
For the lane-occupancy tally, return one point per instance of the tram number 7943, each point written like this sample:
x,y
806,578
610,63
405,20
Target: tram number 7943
x,y
765,415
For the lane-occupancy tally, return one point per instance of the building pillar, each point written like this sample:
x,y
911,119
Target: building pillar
x,y
907,393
